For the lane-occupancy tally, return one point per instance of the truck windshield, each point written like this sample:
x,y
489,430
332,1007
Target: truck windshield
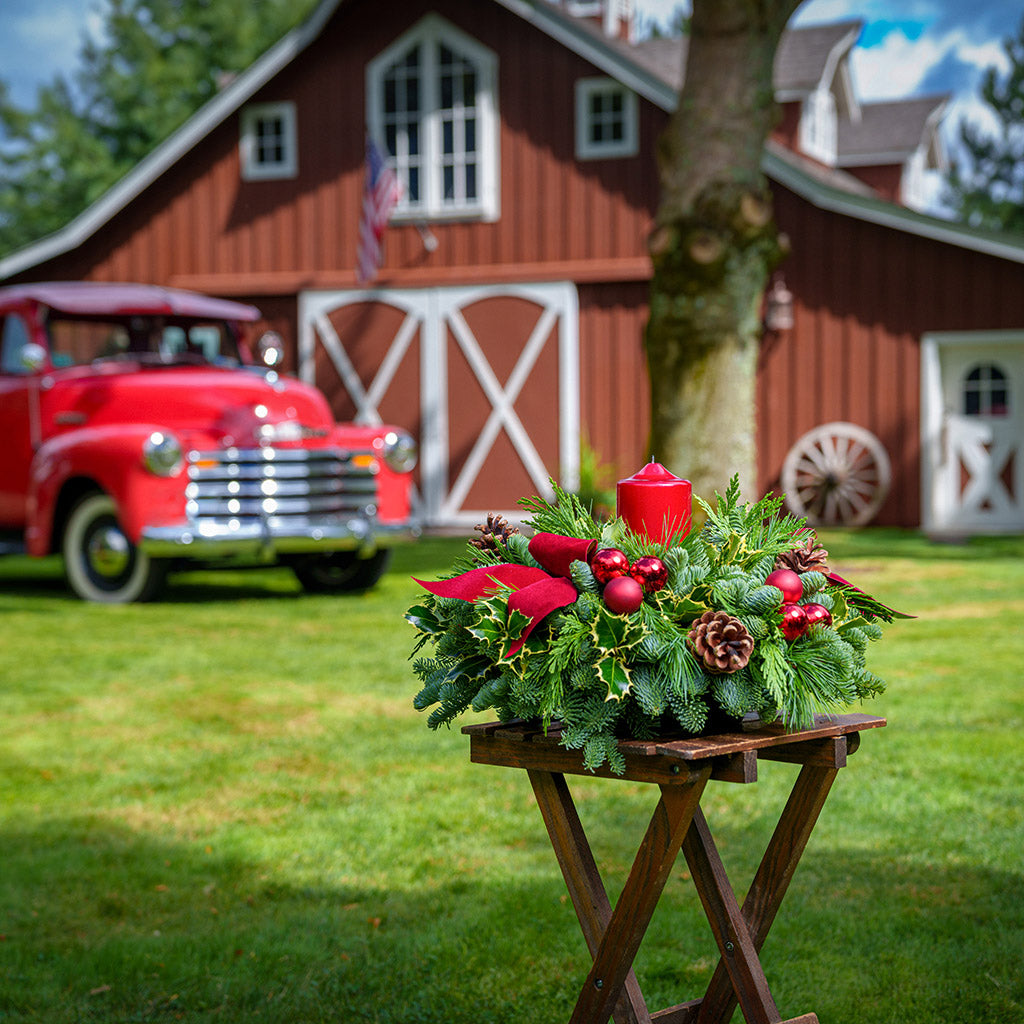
x,y
153,340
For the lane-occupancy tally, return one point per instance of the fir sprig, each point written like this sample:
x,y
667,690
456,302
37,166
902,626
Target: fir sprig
x,y
566,515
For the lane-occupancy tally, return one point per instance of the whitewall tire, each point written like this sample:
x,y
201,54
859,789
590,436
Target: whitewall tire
x,y
100,562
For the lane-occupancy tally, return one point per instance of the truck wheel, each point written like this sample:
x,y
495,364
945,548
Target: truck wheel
x,y
341,571
100,562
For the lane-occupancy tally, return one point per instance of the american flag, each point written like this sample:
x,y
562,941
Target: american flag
x,y
380,194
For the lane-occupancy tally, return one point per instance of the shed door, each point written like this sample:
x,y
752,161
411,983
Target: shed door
x,y
485,378
978,478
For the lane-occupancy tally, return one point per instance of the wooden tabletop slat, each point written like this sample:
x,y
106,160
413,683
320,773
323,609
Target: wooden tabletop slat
x,y
688,748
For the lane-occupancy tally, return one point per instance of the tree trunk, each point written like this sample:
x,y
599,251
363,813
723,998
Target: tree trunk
x,y
713,247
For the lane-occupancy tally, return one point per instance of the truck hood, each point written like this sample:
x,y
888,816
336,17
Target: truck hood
x,y
203,405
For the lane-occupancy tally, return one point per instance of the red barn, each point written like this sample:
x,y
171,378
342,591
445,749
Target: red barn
x,y
505,326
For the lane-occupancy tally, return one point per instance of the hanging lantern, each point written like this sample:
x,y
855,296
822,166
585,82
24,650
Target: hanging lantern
x,y
778,307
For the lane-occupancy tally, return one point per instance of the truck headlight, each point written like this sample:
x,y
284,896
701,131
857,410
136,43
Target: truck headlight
x,y
162,454
400,451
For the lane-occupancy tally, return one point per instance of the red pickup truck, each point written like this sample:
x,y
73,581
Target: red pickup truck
x,y
140,433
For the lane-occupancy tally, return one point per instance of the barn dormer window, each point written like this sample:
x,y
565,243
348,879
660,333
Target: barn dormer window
x,y
268,142
432,106
606,119
819,126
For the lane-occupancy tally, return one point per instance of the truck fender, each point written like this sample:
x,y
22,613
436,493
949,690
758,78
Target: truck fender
x,y
107,458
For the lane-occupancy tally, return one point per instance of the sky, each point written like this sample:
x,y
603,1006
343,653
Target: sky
x,y
907,48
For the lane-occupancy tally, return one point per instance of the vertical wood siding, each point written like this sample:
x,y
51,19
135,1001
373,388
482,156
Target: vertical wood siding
x,y
864,296
614,389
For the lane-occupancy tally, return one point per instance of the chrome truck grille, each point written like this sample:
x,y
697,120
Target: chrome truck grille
x,y
238,486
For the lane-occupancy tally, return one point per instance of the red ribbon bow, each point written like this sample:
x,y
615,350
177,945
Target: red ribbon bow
x,y
536,592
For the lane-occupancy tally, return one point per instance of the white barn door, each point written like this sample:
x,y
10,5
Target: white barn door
x,y
487,379
973,432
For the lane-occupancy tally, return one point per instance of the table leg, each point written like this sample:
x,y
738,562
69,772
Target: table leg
x,y
583,880
613,959
771,881
728,925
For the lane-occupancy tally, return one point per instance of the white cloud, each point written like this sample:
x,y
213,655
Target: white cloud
x,y
990,53
895,67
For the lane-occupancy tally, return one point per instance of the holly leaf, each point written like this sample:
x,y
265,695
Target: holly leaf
x,y
615,676
616,632
517,623
424,619
489,630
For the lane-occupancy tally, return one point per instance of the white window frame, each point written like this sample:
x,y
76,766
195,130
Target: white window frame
x,y
819,126
629,144
914,181
430,33
253,169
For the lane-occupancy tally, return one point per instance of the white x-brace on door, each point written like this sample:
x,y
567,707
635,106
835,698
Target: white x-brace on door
x,y
435,321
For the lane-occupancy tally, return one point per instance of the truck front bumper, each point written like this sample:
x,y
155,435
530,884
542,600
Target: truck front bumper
x,y
269,537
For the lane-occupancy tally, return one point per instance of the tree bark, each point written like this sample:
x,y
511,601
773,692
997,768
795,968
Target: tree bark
x,y
714,246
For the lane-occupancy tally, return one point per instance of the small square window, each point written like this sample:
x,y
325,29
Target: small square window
x,y
606,119
268,143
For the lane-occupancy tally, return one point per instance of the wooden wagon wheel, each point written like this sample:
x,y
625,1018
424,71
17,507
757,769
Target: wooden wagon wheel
x,y
837,474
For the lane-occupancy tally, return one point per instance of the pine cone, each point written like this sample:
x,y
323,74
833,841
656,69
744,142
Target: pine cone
x,y
496,530
721,642
809,557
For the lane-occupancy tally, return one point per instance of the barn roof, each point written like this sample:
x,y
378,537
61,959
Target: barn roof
x,y
888,132
805,53
642,68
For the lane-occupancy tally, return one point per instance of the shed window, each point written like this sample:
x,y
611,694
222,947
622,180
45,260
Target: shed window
x,y
432,104
986,391
268,142
606,119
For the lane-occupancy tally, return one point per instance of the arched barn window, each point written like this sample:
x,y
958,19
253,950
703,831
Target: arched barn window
x,y
431,104
986,391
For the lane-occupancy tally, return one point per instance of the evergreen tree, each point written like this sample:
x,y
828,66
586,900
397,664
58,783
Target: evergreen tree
x,y
678,24
154,64
986,185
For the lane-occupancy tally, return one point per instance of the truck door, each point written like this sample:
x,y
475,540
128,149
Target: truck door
x,y
19,421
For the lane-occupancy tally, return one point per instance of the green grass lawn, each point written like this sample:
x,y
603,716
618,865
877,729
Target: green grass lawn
x,y
223,807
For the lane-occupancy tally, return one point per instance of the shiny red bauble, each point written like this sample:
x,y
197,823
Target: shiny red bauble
x,y
623,595
788,582
609,563
650,572
794,621
817,615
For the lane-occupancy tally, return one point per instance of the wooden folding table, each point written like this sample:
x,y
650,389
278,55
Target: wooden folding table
x,y
681,768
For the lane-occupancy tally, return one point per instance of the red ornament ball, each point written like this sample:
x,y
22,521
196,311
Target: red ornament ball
x,y
650,573
817,615
794,621
623,595
788,582
608,563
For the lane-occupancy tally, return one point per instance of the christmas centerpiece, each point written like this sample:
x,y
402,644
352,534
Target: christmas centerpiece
x,y
637,627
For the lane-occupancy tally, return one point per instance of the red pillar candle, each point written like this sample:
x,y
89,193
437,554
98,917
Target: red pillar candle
x,y
655,503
